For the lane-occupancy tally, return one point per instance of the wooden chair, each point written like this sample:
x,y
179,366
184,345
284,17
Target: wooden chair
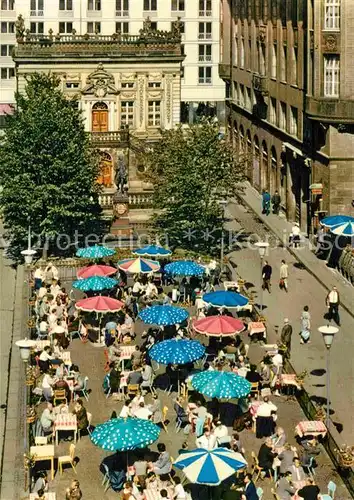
x,y
67,459
133,389
256,469
164,416
275,494
254,389
106,366
59,395
89,420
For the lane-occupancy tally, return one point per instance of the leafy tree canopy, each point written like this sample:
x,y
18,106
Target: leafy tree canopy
x,y
191,170
47,170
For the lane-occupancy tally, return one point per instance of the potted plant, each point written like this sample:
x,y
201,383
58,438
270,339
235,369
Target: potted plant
x,y
345,456
30,414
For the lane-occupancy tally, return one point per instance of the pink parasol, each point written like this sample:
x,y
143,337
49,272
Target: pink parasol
x,y
99,304
95,270
218,326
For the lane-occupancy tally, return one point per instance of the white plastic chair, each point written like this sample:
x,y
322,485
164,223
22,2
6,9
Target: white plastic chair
x,y
331,486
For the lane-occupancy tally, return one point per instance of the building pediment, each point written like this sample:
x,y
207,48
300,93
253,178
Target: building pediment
x,y
100,83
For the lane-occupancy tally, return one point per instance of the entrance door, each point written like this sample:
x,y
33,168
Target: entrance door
x,y
100,117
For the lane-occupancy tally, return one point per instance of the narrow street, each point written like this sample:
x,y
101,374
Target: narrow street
x,y
304,289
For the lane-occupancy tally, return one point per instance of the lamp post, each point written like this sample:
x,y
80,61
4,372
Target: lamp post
x,y
222,204
25,346
262,248
328,333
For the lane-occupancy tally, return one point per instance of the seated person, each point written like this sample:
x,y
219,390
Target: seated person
x,y
79,380
279,439
81,415
135,377
142,412
221,433
297,471
47,385
285,488
181,415
114,351
47,419
147,375
44,359
253,376
40,495
136,357
286,458
163,464
207,441
310,491
60,384
266,455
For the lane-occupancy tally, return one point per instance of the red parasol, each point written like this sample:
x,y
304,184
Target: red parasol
x,y
99,304
218,326
95,270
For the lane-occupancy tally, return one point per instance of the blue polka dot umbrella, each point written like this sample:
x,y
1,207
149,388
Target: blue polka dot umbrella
x,y
227,299
216,384
124,434
163,315
152,251
177,351
184,268
95,252
95,283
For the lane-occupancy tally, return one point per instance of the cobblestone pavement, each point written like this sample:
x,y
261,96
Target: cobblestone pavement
x,y
91,362
304,289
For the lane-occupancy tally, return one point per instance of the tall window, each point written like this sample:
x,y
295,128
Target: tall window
x,y
94,27
332,14
242,53
293,66
248,99
204,76
93,4
65,4
7,4
273,110
283,65
6,50
204,53
262,59
154,113
177,5
235,54
205,8
331,76
7,73
293,121
122,8
150,5
37,28
204,31
273,72
7,27
36,8
242,96
122,27
127,113
282,116
65,28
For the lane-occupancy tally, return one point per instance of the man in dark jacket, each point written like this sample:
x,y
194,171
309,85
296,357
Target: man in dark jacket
x,y
276,200
250,491
266,275
266,456
285,337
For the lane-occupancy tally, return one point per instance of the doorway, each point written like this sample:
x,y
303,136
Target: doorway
x,y
100,117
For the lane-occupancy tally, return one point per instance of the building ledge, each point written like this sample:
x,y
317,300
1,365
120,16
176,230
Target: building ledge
x,y
330,110
119,138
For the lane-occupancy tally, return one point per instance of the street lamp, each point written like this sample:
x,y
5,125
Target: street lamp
x,y
222,204
262,248
328,333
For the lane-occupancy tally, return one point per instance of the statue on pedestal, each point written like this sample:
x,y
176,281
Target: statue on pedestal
x,y
121,175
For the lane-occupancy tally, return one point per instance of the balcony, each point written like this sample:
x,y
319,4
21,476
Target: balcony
x,y
205,13
225,71
260,84
204,58
122,13
119,138
330,110
36,13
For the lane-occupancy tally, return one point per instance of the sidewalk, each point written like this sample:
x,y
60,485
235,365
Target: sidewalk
x,y
282,228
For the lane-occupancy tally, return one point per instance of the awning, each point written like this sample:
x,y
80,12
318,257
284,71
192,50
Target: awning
x,y
6,109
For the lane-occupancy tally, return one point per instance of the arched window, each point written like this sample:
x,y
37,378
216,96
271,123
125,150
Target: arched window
x,y
99,117
106,170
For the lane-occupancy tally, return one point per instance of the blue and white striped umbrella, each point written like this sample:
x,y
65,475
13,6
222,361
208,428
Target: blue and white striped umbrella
x,y
123,434
152,251
210,467
163,315
184,268
227,299
334,220
95,283
176,351
344,229
95,252
215,384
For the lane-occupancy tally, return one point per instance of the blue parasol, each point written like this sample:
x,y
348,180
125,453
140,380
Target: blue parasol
x,y
123,434
152,251
184,268
163,315
95,283
176,352
227,299
216,384
95,252
210,467
334,220
343,229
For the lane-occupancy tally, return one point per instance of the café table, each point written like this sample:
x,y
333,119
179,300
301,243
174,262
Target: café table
x,y
40,345
126,352
257,328
123,381
311,428
65,422
44,452
50,495
154,493
66,357
232,285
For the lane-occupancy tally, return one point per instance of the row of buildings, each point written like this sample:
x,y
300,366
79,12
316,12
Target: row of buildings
x,y
139,66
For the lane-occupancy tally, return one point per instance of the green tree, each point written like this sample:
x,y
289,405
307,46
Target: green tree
x,y
191,170
48,171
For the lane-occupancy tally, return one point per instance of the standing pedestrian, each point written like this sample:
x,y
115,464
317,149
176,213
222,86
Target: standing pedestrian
x,y
285,337
295,235
266,275
305,326
265,202
283,282
332,302
276,200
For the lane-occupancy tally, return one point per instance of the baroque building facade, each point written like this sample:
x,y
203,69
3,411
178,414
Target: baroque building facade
x,y
128,89
290,100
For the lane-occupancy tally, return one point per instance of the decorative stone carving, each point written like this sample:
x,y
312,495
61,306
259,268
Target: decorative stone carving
x,y
127,95
100,83
262,34
155,76
141,99
330,43
128,76
169,98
